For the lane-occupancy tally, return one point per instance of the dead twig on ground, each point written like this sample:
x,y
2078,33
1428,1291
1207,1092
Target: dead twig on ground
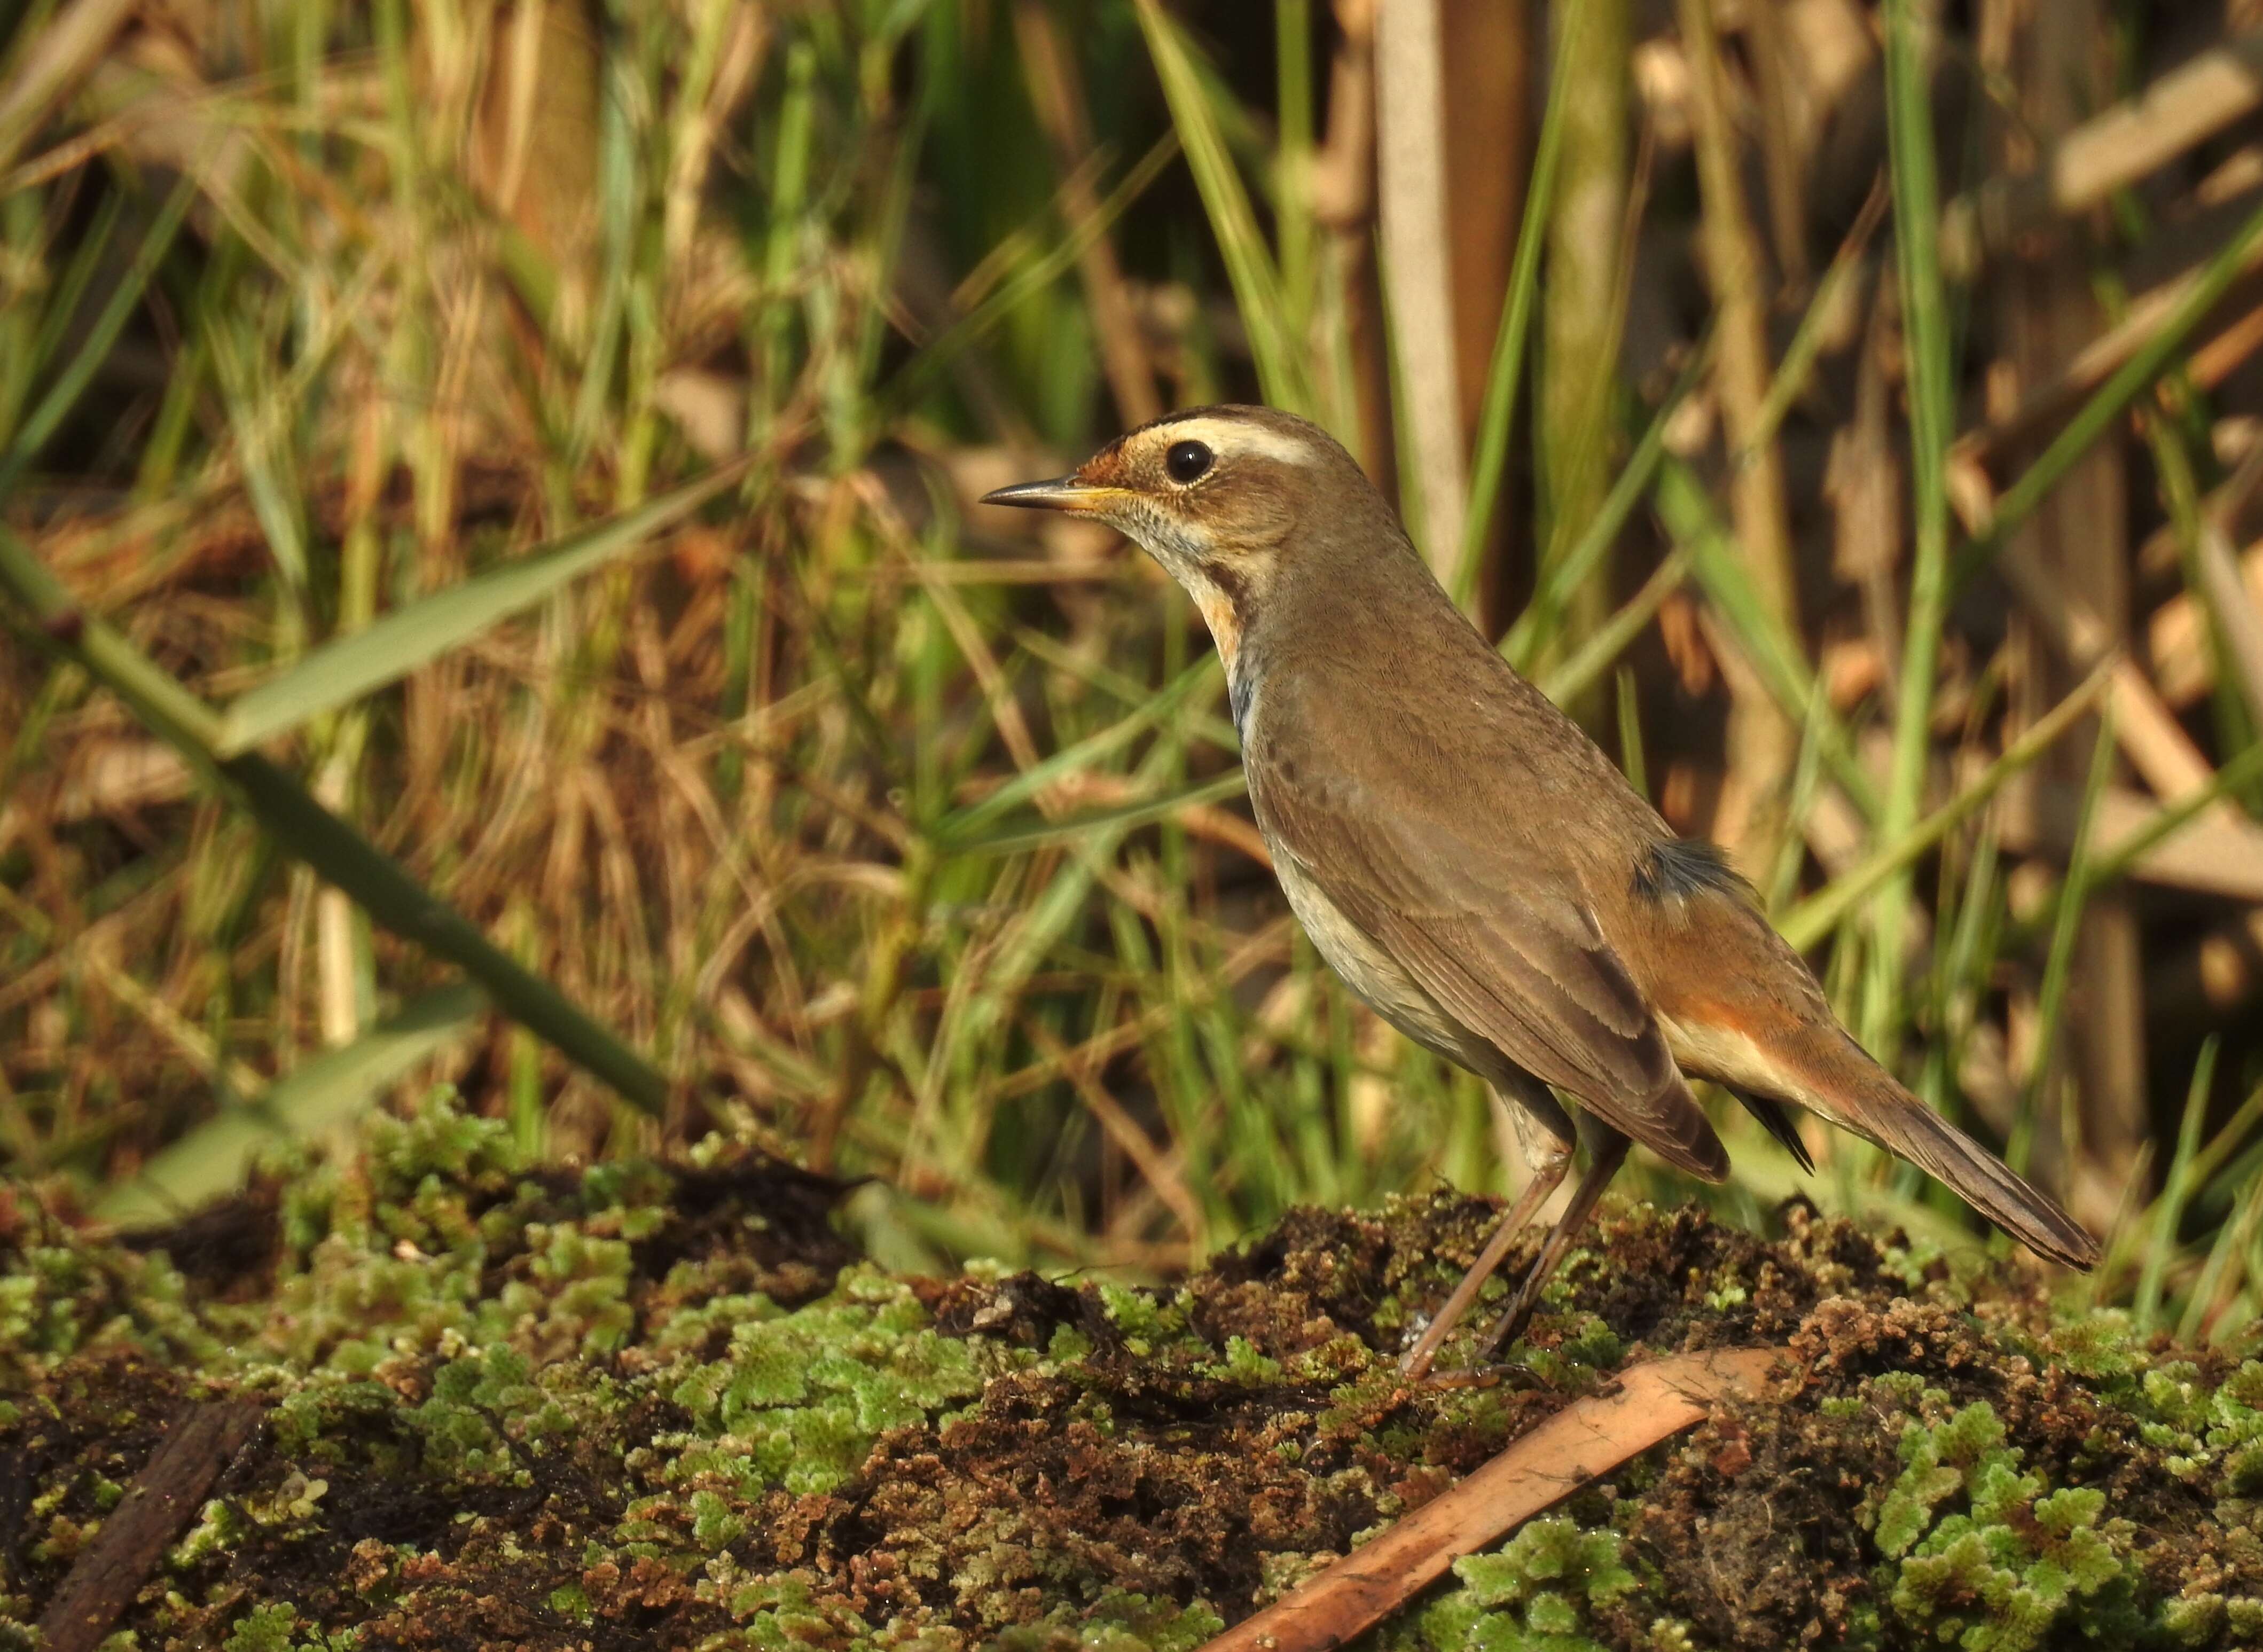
x,y
134,1536
1589,1437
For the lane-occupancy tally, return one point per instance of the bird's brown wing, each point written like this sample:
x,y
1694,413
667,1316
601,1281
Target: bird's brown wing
x,y
1504,948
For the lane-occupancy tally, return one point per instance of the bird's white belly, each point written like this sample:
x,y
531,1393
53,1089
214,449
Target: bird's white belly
x,y
1370,971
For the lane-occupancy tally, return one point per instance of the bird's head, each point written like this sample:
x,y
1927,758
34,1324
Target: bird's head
x,y
1221,496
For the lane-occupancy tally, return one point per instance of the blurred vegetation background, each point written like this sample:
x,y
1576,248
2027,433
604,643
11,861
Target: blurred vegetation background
x,y
491,591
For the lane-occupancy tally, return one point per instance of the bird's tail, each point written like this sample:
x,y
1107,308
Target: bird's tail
x,y
1899,1122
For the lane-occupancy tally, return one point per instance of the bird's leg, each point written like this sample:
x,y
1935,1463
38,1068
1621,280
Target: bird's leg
x,y
1549,1155
1416,1365
1606,1153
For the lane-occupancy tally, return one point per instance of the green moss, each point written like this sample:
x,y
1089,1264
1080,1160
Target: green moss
x,y
800,1399
2102,1345
1244,1364
59,1296
1146,1318
2235,1431
275,1629
1980,1552
1118,1621
1537,1593
1589,1348
263,1629
510,1405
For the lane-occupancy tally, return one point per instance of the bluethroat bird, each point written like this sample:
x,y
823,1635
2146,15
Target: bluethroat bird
x,y
1473,867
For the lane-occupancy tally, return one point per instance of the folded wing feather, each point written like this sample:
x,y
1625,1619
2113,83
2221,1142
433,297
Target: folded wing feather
x,y
1508,953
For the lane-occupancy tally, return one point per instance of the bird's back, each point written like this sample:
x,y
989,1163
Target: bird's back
x,y
1446,724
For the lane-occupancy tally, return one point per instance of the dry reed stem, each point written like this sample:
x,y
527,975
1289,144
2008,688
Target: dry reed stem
x,y
94,950
1582,299
1343,186
2237,612
1763,744
1418,263
1588,1437
1782,164
1269,945
1167,1179
2155,743
729,49
2045,409
2178,651
1487,74
1864,480
2077,537
2222,973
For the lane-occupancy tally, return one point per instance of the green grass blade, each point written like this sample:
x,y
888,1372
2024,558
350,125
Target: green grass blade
x,y
1924,325
2228,781
64,394
1601,651
1216,790
963,828
2058,967
1797,370
322,1092
1296,229
384,888
2222,1257
261,414
1128,690
1527,635
389,648
151,691
1631,762
1781,881
919,375
2168,1214
1249,264
61,307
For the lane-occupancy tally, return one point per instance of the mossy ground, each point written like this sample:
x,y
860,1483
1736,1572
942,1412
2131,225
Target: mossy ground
x,y
663,1406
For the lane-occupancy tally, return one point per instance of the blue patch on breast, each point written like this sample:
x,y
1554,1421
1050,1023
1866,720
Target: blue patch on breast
x,y
1237,696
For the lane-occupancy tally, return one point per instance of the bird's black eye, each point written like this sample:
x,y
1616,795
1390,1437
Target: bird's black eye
x,y
1186,462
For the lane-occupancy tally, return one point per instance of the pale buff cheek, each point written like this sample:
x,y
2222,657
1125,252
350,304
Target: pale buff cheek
x,y
1188,552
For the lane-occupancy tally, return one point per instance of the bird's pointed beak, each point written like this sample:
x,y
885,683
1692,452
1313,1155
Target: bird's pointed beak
x,y
1061,493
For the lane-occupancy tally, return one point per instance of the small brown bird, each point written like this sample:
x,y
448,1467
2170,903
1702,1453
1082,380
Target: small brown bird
x,y
1470,862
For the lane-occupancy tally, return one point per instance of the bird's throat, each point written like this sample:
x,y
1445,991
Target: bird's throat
x,y
1221,594
1222,597
1220,613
